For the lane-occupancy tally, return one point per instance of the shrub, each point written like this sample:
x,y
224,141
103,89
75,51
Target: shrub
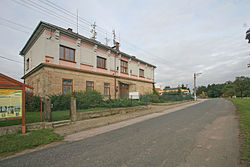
x,y
114,103
88,99
32,102
60,102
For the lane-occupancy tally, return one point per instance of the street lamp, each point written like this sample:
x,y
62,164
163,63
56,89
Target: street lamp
x,y
195,75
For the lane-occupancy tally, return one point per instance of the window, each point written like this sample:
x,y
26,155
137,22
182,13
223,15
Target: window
x,y
67,85
90,85
27,64
67,53
106,89
141,73
124,66
101,62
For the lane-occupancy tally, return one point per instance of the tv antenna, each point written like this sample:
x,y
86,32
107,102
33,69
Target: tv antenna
x,y
114,36
94,33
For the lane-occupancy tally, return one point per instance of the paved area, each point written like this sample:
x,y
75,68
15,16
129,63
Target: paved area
x,y
205,134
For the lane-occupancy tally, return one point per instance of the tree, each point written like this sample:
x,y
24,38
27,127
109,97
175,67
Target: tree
x,y
242,85
229,89
166,87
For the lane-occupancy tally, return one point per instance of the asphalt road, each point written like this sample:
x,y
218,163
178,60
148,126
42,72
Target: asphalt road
x,y
205,134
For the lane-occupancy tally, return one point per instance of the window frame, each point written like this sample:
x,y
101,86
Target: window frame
x,y
90,86
103,62
106,88
67,85
124,67
64,53
141,73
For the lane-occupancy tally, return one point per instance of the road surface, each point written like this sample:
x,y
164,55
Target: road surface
x,y
205,134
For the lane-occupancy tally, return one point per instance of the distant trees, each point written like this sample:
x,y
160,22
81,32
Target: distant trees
x,y
242,86
239,87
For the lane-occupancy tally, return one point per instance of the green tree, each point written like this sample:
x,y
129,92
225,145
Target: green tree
x,y
242,85
229,89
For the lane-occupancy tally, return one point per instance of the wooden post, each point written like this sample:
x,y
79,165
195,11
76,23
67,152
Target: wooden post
x,y
23,114
41,111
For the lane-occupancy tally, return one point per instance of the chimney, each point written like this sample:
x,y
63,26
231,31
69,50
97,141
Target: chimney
x,y
70,29
117,46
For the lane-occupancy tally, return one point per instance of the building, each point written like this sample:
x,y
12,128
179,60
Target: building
x,y
58,60
175,90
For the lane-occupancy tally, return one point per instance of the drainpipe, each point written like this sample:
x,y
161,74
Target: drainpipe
x,y
117,52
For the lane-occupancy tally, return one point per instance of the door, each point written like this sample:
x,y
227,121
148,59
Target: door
x,y
124,90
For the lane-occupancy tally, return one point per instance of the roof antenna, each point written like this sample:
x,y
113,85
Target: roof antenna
x,y
94,33
77,20
114,37
106,39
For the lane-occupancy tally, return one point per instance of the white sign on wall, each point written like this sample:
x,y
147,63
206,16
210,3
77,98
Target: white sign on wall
x,y
134,95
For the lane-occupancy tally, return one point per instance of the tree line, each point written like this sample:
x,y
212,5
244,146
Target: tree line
x,y
240,87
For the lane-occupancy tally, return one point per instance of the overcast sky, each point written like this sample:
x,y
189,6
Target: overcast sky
x,y
179,37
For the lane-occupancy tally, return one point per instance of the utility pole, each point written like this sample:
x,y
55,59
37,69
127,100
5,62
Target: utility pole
x,y
195,75
248,38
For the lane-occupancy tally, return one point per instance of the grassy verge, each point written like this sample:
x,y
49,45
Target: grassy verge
x,y
13,143
243,108
32,117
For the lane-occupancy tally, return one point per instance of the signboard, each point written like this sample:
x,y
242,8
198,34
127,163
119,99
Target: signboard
x,y
134,95
10,103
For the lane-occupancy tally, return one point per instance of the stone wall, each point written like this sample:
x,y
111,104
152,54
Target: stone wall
x,y
104,113
33,126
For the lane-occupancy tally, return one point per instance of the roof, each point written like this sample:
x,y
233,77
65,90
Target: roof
x,y
43,25
158,89
10,82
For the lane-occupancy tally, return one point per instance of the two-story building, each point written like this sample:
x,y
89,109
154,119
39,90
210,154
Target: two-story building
x,y
57,60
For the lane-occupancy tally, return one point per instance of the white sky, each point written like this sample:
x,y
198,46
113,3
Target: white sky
x,y
179,37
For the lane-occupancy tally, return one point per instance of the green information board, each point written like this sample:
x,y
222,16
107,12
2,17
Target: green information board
x,y
10,103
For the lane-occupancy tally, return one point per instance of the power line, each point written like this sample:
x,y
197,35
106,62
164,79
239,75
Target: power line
x,y
41,10
14,28
68,21
67,12
12,22
11,60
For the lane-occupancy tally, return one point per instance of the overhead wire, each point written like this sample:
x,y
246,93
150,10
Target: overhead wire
x,y
13,28
82,20
11,59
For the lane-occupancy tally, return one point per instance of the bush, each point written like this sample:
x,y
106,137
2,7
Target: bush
x,y
32,102
115,103
60,102
88,99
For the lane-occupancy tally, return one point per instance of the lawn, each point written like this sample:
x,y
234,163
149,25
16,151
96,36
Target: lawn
x,y
32,117
10,144
243,108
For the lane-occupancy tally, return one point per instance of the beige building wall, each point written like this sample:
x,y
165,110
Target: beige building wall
x,y
48,81
48,45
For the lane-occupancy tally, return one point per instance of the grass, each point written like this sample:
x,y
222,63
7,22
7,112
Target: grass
x,y
243,108
31,117
10,144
